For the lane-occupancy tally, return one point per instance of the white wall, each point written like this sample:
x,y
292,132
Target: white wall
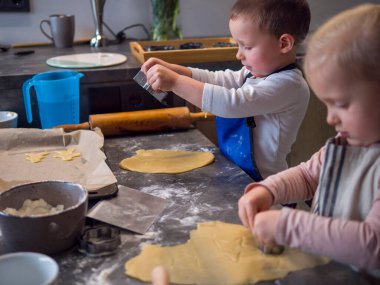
x,y
197,18
24,27
324,9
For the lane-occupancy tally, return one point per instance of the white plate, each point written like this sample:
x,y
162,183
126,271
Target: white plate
x,y
87,60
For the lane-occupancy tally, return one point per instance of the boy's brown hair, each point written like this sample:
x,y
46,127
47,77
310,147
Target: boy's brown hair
x,y
276,16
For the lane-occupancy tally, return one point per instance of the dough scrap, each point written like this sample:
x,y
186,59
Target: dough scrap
x,y
218,253
166,161
67,155
34,208
36,156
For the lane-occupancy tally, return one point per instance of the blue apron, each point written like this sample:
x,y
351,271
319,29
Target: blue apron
x,y
235,138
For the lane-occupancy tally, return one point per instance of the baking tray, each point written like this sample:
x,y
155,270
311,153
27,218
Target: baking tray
x,y
13,172
211,51
105,192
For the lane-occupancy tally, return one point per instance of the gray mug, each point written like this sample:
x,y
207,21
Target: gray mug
x,y
62,29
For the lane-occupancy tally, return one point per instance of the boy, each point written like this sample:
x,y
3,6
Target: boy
x,y
269,86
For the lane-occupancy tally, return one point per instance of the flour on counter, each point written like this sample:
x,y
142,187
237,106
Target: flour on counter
x,y
146,236
166,193
190,221
101,278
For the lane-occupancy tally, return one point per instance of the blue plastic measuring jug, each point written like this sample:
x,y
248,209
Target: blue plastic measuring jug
x,y
57,97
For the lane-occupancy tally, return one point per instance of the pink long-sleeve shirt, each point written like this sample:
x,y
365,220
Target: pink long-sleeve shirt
x,y
354,241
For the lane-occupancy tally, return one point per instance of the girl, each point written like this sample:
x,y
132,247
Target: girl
x,y
342,67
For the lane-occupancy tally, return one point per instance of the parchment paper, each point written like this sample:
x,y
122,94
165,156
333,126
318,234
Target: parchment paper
x,y
89,170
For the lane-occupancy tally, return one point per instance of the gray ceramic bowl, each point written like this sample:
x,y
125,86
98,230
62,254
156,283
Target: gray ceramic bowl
x,y
46,234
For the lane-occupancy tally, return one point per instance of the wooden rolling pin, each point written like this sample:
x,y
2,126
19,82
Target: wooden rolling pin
x,y
141,121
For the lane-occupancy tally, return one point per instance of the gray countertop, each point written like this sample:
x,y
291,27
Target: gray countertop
x,y
206,194
14,70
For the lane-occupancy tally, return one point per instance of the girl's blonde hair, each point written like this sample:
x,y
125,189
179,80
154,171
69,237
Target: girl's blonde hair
x,y
349,41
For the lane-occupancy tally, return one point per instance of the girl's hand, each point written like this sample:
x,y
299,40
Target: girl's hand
x,y
264,227
162,78
256,200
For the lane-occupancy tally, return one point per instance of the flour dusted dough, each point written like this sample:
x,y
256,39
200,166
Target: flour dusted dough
x,y
166,161
218,253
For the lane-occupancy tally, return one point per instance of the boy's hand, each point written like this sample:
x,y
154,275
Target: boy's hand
x,y
162,78
257,200
151,62
182,70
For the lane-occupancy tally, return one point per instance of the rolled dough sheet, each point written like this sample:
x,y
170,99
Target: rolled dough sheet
x,y
166,161
218,253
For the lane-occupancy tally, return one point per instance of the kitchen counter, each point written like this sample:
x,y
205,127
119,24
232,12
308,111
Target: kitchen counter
x,y
103,90
206,194
14,70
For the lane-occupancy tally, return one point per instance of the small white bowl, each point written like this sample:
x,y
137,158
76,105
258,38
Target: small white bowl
x,y
28,268
8,119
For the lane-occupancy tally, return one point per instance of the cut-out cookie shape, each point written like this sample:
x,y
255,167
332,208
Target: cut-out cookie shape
x,y
67,155
36,157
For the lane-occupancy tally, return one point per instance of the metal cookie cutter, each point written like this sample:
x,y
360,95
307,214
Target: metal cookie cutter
x,y
141,79
274,250
99,241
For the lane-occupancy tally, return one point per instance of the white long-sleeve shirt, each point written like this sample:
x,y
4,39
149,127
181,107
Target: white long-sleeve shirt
x,y
278,102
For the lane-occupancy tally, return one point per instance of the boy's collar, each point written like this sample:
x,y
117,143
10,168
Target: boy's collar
x,y
290,66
